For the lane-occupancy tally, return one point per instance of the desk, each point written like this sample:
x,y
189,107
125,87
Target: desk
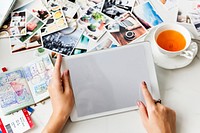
x,y
180,90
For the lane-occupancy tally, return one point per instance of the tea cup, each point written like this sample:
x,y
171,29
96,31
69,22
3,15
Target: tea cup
x,y
179,30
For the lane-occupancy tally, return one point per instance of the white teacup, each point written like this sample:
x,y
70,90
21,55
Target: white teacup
x,y
182,30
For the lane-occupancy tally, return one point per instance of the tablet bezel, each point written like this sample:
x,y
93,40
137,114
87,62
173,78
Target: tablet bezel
x,y
152,75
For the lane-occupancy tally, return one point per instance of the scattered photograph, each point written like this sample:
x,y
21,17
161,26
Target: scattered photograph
x,y
195,19
56,22
83,43
147,15
105,44
115,8
85,4
184,7
168,3
37,8
130,29
33,26
94,23
62,43
33,43
78,51
70,9
15,25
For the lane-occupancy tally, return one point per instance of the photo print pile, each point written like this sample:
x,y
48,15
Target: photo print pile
x,y
70,28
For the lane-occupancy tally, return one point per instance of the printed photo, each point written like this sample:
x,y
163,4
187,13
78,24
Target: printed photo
x,y
32,27
195,19
105,44
15,25
33,43
83,43
57,21
94,23
147,15
129,30
115,8
85,4
184,7
78,51
62,43
70,9
168,3
37,8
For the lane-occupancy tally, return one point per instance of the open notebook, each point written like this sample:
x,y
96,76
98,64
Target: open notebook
x,y
108,81
26,85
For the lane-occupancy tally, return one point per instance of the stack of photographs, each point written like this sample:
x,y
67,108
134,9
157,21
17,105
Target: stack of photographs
x,y
68,28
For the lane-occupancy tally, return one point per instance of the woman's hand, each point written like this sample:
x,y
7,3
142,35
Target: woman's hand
x,y
156,117
61,98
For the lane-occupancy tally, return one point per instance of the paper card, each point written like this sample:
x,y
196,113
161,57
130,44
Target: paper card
x,y
83,43
195,19
147,15
94,23
77,51
14,91
115,8
129,30
169,4
18,122
70,9
57,22
38,75
85,4
32,43
184,7
15,25
37,8
62,42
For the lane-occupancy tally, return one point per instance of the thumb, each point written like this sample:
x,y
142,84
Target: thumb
x,y
143,113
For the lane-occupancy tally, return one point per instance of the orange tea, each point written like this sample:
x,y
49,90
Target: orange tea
x,y
171,40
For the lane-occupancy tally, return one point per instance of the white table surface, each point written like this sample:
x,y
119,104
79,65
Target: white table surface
x,y
180,90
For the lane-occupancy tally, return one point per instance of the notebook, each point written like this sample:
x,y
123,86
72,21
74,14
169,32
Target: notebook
x,y
108,81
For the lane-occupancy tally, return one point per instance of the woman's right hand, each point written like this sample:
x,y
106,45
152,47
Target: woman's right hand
x,y
156,117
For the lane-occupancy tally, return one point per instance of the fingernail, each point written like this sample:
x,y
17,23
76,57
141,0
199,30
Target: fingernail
x,y
138,103
144,83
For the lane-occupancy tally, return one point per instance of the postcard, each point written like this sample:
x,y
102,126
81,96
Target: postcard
x,y
168,3
37,8
94,23
130,29
83,43
184,7
32,43
15,25
33,26
115,8
70,9
147,15
56,22
195,19
62,43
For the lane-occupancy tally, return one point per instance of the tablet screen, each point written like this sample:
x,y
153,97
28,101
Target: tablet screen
x,y
108,80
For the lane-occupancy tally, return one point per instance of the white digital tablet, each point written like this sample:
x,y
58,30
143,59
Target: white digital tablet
x,y
108,81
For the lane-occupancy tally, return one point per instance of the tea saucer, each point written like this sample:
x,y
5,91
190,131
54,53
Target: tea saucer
x,y
169,62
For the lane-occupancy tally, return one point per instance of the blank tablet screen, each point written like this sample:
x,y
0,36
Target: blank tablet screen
x,y
108,80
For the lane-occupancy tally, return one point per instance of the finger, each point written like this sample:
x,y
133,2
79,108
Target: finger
x,y
143,113
147,96
57,67
65,78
